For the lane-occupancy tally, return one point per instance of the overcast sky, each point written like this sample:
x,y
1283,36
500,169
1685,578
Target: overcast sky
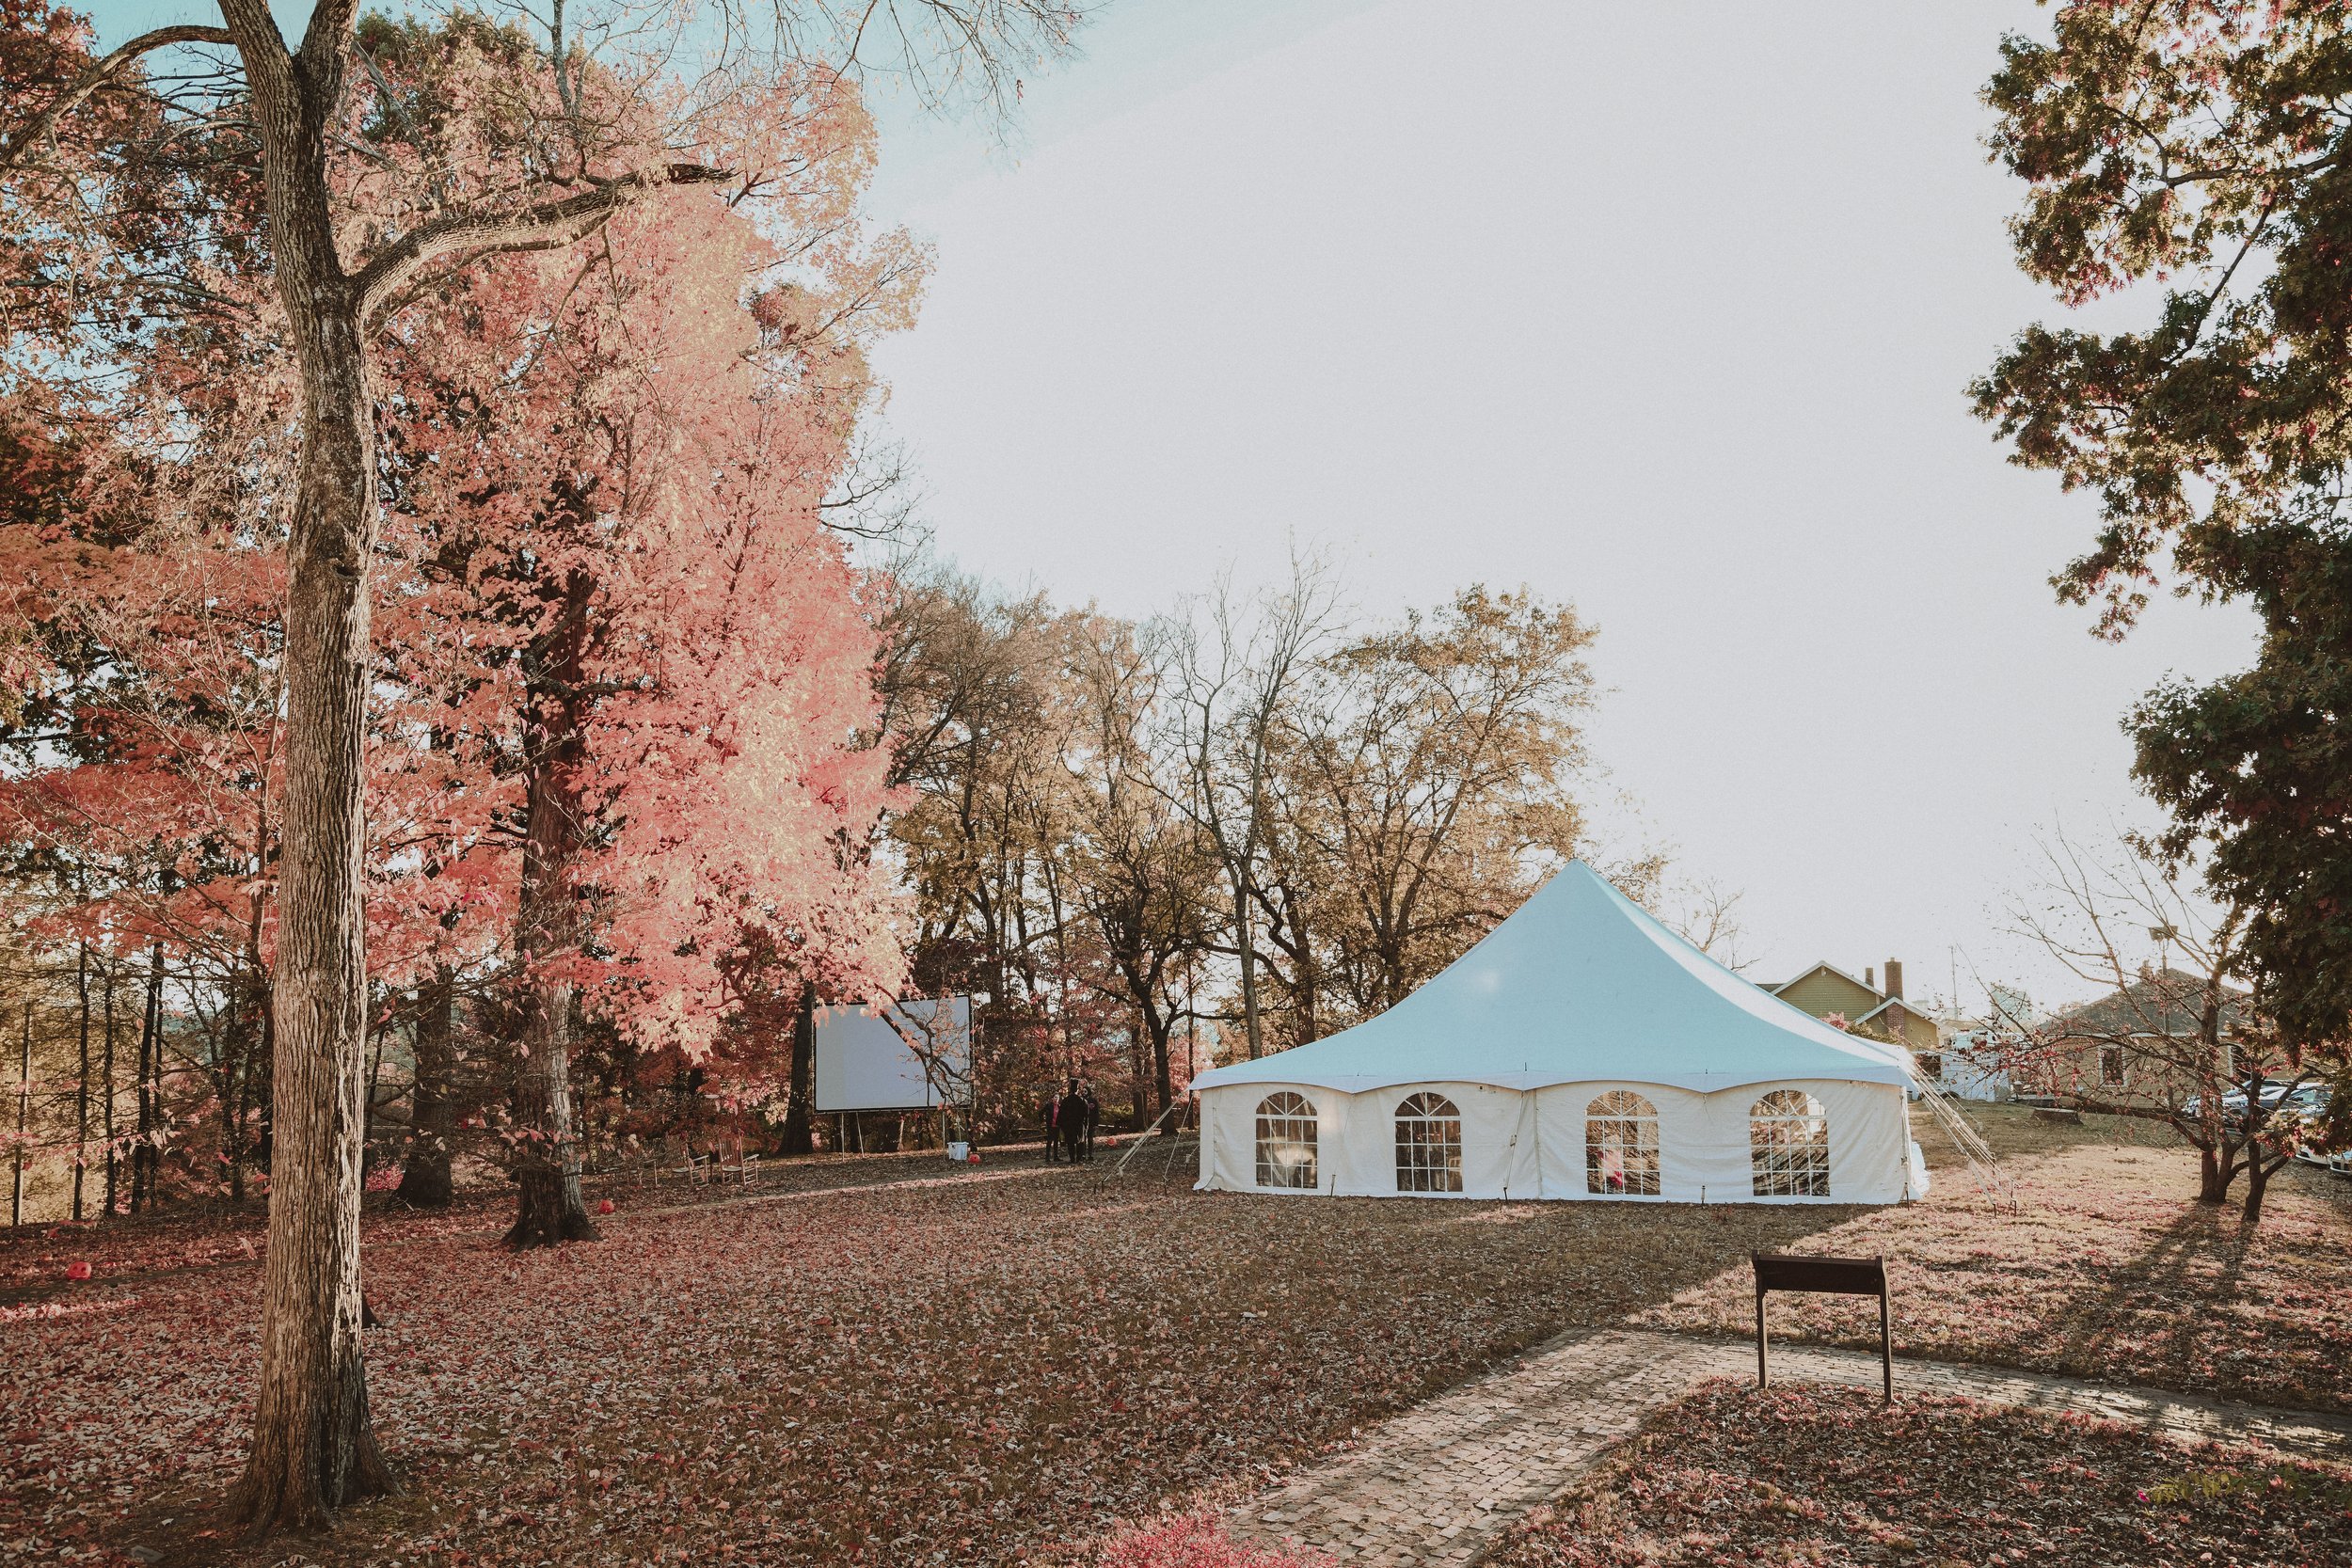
x,y
1664,310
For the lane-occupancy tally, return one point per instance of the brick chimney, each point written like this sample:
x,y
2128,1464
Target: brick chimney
x,y
1893,977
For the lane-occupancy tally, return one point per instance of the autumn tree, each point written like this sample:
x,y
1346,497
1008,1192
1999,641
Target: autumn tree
x,y
1140,868
1083,788
360,224
983,710
676,640
145,569
1426,777
2193,153
1231,668
976,707
2172,1017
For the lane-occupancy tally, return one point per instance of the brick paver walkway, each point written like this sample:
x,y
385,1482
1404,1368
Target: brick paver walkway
x,y
1439,1483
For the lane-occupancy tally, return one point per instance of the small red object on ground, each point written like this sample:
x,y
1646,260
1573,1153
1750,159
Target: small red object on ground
x,y
78,1269
604,1206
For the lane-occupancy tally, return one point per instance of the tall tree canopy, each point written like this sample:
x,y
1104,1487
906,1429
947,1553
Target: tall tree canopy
x,y
392,162
2203,149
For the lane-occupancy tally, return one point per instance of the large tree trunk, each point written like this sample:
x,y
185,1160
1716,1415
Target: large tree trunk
x,y
1163,1081
2257,1186
313,1446
424,1180
81,1092
2261,1165
551,1208
1244,947
151,1045
2212,1178
799,1114
106,1122
24,1113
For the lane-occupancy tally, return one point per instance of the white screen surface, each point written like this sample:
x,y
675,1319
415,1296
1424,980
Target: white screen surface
x,y
864,1063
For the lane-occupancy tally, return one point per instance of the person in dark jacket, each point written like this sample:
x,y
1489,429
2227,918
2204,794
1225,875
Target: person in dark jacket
x,y
1092,1115
1072,1121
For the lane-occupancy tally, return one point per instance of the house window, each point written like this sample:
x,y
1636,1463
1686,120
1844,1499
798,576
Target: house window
x,y
2110,1066
1286,1141
1931,1065
1428,1144
1788,1146
1621,1145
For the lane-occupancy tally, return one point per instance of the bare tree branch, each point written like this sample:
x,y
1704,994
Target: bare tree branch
x,y
104,72
536,227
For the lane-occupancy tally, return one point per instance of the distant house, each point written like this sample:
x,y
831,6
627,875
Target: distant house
x,y
1825,990
2136,1047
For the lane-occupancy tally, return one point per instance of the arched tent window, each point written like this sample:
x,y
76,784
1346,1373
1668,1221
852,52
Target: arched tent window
x,y
1286,1141
1621,1145
1428,1144
1789,1145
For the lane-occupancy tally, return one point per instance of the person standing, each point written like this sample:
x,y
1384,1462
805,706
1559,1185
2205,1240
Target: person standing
x,y
1072,1121
1093,1114
1053,1126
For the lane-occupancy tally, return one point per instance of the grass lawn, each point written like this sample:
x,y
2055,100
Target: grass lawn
x,y
1737,1474
2110,1269
1001,1364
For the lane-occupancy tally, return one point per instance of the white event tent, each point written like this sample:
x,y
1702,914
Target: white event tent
x,y
1579,1050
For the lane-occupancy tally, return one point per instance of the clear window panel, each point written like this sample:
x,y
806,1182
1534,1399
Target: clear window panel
x,y
1621,1145
1428,1144
1286,1142
1788,1146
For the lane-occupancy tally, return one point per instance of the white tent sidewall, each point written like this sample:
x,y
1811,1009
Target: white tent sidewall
x,y
1532,1144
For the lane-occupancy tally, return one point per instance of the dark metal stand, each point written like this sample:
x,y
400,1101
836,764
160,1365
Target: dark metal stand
x,y
1844,1277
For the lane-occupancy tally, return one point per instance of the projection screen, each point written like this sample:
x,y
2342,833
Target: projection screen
x,y
864,1063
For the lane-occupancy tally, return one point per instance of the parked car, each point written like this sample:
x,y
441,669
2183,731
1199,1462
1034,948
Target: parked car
x,y
2233,1102
2309,1106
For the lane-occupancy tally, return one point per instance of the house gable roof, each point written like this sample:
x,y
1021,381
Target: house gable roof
x,y
1825,967
2167,1003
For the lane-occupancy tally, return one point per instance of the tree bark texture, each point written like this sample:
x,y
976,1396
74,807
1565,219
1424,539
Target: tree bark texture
x,y
2257,1186
550,1208
799,1113
424,1178
2212,1178
81,1091
106,1110
313,1446
1246,948
24,1113
150,1046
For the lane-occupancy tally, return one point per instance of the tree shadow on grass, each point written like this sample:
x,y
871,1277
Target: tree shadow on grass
x,y
2147,1320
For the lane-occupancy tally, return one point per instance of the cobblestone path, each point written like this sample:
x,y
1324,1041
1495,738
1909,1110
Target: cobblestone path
x,y
1440,1482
